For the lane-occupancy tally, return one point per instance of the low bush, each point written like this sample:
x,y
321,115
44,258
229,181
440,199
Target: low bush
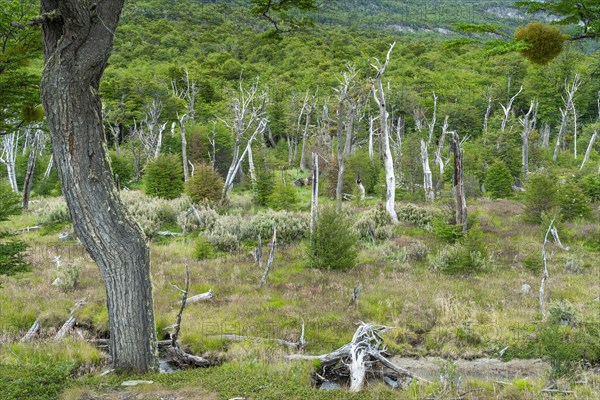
x,y
205,185
203,249
466,256
67,275
333,243
541,195
414,215
164,177
498,181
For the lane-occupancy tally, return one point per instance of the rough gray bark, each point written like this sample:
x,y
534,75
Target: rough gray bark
x,y
388,162
458,182
77,44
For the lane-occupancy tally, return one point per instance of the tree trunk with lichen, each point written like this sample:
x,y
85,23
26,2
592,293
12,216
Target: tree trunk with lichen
x,y
77,38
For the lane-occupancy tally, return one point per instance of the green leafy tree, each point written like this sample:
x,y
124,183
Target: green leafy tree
x,y
574,203
164,177
12,251
205,185
541,195
498,181
333,243
582,15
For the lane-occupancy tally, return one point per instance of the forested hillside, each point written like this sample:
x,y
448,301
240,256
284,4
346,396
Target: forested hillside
x,y
393,199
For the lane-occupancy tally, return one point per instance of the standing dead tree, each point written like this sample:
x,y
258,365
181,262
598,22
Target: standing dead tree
x,y
309,106
35,147
458,183
342,91
506,110
248,115
9,157
569,106
438,159
388,162
314,202
150,131
186,92
528,123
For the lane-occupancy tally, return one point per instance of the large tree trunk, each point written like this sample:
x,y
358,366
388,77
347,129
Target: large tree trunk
x,y
388,162
77,39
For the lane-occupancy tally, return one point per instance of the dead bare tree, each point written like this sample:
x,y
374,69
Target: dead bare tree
x,y
569,106
248,115
371,135
31,161
438,159
271,257
150,131
314,202
527,122
486,118
588,150
8,157
388,162
458,183
551,230
342,91
187,92
507,109
309,106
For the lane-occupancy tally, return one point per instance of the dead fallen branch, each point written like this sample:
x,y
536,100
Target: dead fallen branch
x,y
201,297
300,344
35,328
70,322
359,357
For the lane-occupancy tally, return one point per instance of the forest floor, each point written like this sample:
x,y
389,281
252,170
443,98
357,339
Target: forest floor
x,y
482,331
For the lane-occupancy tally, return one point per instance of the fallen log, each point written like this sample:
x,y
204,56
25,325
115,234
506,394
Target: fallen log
x,y
201,297
35,328
67,326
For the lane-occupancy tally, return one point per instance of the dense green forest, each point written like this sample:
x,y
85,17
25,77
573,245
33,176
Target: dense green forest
x,y
213,119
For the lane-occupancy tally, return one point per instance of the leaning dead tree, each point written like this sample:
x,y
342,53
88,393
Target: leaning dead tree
x,y
271,257
388,162
458,183
248,120
551,230
589,150
365,354
187,92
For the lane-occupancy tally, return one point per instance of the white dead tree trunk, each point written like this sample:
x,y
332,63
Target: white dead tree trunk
x,y
438,159
527,122
186,92
271,257
342,98
8,157
486,119
371,134
507,109
388,162
314,202
150,131
248,114
545,139
431,125
33,153
568,101
310,107
588,151
551,230
427,176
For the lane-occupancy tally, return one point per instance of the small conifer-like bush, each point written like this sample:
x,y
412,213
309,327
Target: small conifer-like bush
x,y
205,185
333,243
498,181
12,251
541,195
164,177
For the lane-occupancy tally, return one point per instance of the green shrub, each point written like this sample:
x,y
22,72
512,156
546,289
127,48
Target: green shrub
x,y
573,202
284,196
467,256
12,251
121,166
265,183
203,249
591,187
205,185
164,177
415,215
448,232
498,181
562,313
333,243
541,195
375,218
